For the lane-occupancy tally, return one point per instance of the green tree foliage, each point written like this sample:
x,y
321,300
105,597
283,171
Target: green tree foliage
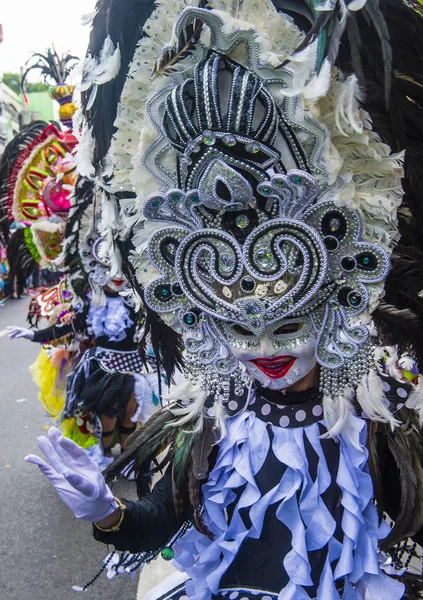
x,y
36,87
13,80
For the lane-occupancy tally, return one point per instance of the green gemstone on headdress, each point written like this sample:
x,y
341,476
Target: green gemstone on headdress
x,y
242,221
155,203
209,137
189,319
167,553
229,140
354,299
297,180
264,258
195,198
252,147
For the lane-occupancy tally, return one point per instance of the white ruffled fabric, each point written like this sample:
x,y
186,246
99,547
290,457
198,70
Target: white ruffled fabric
x,y
110,320
241,456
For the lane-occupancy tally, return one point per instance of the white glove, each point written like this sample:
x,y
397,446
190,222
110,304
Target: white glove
x,y
77,479
20,332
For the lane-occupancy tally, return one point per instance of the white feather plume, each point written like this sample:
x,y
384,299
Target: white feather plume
x,y
372,400
99,71
346,109
338,412
85,153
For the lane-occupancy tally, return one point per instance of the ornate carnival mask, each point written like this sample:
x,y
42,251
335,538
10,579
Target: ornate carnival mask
x,y
253,239
98,265
262,219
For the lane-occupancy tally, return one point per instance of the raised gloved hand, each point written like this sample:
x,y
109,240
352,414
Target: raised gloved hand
x,y
20,332
76,478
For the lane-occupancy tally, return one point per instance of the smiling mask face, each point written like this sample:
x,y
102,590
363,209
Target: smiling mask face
x,y
281,357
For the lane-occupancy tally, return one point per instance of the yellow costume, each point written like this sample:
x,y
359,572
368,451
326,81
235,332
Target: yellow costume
x,y
49,374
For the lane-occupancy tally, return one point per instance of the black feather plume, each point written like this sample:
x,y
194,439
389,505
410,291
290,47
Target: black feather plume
x,y
166,343
374,435
201,450
53,68
82,200
21,261
123,21
145,443
401,327
376,19
399,446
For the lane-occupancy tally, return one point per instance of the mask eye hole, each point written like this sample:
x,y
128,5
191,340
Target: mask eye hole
x,y
239,330
223,191
288,328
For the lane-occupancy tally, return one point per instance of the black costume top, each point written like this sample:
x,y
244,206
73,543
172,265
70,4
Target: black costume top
x,y
79,325
103,381
292,498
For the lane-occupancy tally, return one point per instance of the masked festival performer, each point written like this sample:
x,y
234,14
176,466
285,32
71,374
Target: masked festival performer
x,y
37,184
106,390
58,359
257,196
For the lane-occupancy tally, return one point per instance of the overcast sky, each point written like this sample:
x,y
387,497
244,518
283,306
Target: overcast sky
x,y
33,25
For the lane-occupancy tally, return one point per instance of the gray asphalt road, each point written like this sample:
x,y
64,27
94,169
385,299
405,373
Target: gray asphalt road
x,y
44,550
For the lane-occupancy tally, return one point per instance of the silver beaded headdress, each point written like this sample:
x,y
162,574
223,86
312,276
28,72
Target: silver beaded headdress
x,y
252,238
97,266
94,257
278,201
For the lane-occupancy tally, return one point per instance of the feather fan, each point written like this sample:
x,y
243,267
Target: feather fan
x,y
11,153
